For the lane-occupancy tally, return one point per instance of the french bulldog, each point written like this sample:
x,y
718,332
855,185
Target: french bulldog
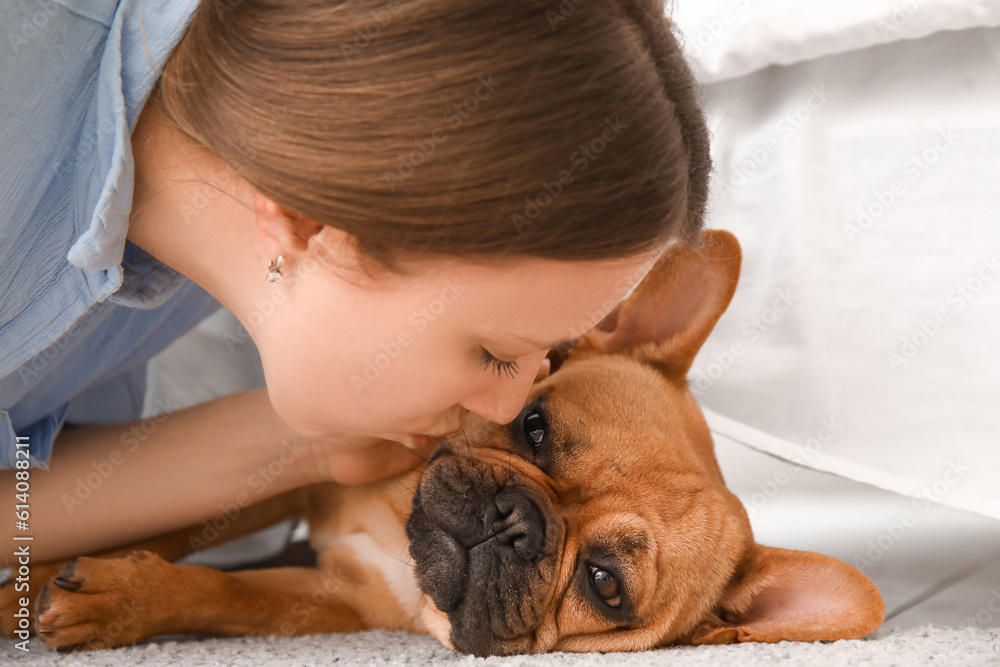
x,y
597,520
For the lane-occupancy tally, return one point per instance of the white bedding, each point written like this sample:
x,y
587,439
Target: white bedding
x,y
863,182
731,38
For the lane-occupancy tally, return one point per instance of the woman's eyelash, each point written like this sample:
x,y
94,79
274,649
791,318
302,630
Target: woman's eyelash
x,y
499,366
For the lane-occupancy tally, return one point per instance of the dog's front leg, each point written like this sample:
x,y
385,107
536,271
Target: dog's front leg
x,y
170,546
103,603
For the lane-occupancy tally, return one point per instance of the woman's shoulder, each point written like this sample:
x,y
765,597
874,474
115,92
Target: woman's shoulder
x,y
72,83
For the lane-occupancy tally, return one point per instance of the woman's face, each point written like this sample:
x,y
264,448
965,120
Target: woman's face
x,y
408,355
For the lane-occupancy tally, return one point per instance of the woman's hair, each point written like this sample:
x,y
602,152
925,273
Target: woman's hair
x,y
567,130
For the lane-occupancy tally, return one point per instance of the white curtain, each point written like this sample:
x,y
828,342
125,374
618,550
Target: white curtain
x,y
857,155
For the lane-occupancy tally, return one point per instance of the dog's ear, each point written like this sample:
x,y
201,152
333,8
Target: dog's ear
x,y
778,594
671,312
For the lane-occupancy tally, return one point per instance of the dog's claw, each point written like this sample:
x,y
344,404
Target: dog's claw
x,y
67,649
69,569
66,584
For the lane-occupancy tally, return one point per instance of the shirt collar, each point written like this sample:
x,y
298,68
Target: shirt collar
x,y
130,64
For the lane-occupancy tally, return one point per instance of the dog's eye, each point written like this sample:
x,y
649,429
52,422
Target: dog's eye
x,y
606,586
530,436
534,428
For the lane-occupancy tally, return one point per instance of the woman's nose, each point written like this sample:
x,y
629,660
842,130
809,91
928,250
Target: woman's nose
x,y
501,398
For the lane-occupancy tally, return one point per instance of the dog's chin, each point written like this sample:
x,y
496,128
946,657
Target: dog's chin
x,y
436,622
438,625
483,555
441,562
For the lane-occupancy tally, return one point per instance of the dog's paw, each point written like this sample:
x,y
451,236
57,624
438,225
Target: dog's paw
x,y
95,603
26,584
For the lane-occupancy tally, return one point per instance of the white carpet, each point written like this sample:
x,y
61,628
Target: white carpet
x,y
905,647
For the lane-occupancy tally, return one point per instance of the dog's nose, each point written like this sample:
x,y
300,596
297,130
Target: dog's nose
x,y
519,525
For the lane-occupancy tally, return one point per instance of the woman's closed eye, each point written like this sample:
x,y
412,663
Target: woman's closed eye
x,y
499,366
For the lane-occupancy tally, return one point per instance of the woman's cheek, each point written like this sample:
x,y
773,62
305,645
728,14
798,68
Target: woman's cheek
x,y
291,393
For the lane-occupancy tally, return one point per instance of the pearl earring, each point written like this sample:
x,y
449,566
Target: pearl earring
x,y
274,270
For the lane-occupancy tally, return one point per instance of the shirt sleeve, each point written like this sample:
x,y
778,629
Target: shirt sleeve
x,y
115,401
37,436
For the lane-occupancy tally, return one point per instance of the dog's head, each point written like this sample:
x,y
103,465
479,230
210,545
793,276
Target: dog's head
x,y
598,519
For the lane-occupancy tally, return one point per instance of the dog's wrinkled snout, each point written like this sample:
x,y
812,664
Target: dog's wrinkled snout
x,y
481,544
465,502
520,525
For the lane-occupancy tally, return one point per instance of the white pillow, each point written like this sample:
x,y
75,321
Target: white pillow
x,y
730,38
864,336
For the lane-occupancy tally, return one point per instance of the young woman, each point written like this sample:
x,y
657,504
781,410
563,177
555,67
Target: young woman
x,y
406,204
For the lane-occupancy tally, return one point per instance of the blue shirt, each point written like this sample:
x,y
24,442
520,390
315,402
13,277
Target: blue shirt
x,y
81,309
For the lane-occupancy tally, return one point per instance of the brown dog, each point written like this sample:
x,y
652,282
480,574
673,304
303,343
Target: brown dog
x,y
596,521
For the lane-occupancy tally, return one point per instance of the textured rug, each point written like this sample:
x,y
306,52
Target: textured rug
x,y
904,647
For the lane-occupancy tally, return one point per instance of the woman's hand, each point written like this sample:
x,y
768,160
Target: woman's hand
x,y
358,460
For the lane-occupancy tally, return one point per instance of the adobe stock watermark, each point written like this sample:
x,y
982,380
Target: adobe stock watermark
x,y
790,123
989,613
104,133
418,321
223,7
895,531
128,614
363,37
319,257
331,582
914,167
247,149
592,318
131,439
581,159
454,117
711,29
720,362
20,33
258,481
801,455
927,329
901,13
562,13
261,311
30,370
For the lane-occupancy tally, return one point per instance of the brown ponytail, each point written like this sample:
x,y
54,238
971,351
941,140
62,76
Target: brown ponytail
x,y
465,128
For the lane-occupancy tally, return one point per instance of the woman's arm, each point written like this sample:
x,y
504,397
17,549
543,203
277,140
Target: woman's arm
x,y
111,485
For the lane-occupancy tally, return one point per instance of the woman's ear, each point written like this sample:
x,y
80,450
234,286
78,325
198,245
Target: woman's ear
x,y
282,231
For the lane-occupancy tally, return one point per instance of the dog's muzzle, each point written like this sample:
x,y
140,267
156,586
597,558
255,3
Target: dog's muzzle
x,y
480,546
